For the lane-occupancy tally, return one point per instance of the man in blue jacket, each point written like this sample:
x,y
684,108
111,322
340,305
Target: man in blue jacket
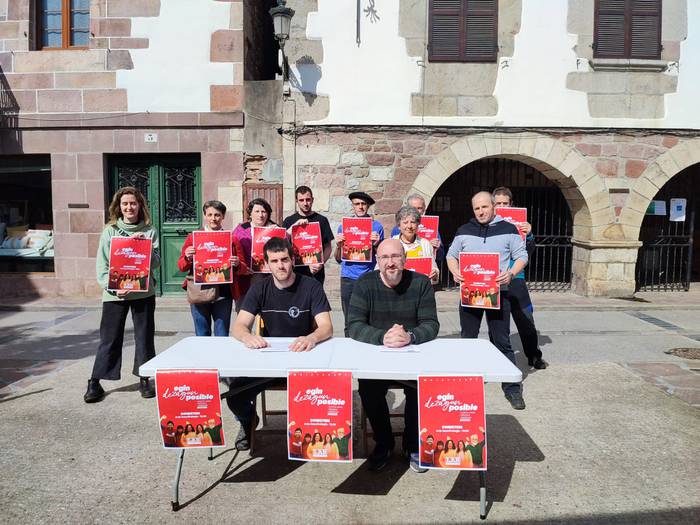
x,y
487,232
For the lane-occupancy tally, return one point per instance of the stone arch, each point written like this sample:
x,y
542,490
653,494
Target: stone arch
x,y
658,173
583,189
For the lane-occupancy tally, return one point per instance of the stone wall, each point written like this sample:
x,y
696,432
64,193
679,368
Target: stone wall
x,y
603,176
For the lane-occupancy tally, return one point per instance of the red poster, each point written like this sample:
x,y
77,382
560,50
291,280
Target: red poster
x,y
189,408
479,288
212,257
319,408
129,264
358,241
428,227
514,215
422,265
308,248
452,422
259,237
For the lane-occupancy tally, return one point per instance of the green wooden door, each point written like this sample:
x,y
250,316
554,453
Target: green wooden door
x,y
172,187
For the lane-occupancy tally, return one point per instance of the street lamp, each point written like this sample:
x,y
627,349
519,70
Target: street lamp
x,y
281,21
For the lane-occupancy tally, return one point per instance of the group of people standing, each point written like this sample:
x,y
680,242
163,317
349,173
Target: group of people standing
x,y
388,306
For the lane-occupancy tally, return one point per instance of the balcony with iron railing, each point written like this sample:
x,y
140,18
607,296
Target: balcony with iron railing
x,y
9,111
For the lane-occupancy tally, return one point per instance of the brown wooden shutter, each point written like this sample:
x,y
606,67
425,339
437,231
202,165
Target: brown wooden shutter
x,y
481,31
645,30
272,193
463,30
627,29
609,38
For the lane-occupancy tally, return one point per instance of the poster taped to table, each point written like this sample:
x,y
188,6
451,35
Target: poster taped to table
x,y
677,210
129,264
189,408
358,239
308,248
422,265
319,412
479,288
452,422
212,264
259,236
513,215
428,227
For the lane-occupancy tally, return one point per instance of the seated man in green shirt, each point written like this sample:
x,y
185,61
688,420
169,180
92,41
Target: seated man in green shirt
x,y
391,307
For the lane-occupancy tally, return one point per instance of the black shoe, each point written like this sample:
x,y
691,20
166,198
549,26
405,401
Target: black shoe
x,y
95,393
146,389
538,363
379,458
516,400
243,437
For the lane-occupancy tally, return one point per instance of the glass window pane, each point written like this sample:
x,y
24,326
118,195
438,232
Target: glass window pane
x,y
80,22
51,20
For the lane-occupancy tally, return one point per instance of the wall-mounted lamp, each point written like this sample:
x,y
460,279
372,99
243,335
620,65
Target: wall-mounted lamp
x,y
282,21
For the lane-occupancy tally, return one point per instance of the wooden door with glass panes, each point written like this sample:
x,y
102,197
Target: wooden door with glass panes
x,y
172,187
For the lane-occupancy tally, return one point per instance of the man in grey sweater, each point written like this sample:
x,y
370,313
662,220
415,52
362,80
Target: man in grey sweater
x,y
488,232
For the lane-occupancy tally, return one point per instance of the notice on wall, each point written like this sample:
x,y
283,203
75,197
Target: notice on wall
x,y
479,288
656,208
129,264
677,210
358,239
306,240
212,257
189,408
452,422
319,411
259,236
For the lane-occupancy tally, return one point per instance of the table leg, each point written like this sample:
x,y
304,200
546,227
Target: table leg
x,y
482,494
211,454
176,482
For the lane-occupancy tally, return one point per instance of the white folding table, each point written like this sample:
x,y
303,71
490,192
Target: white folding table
x,y
365,361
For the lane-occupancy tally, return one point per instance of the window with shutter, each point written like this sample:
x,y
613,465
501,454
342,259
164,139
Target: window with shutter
x,y
627,29
463,31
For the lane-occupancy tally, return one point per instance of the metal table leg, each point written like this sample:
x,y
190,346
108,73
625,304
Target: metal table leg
x,y
176,482
211,454
482,494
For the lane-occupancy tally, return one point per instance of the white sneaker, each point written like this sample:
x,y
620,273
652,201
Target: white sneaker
x,y
414,463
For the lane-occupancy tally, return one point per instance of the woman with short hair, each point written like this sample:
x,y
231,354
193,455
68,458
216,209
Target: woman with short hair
x,y
408,219
128,217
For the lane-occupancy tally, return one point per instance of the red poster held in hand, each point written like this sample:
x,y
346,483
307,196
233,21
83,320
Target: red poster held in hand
x,y
189,408
479,288
358,239
428,227
513,215
129,264
306,241
259,237
319,411
212,256
452,422
422,265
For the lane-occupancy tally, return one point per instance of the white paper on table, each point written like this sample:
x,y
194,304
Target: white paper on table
x,y
403,350
677,210
278,345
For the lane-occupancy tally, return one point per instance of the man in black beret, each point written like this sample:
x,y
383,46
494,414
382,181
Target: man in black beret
x,y
350,271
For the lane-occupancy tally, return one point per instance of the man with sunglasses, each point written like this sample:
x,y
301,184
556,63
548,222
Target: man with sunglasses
x,y
393,307
351,271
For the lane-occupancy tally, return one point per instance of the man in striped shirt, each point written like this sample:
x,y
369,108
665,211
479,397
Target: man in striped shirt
x,y
393,307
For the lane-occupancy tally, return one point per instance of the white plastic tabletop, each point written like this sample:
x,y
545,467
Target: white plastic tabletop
x,y
365,361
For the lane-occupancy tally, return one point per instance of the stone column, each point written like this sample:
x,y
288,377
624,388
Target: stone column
x,y
604,268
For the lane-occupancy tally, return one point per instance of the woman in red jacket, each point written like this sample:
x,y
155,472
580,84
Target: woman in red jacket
x,y
218,311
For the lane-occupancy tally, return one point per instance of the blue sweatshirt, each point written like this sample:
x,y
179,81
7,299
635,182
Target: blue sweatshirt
x,y
498,236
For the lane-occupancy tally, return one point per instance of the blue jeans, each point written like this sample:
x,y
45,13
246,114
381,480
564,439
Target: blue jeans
x,y
218,311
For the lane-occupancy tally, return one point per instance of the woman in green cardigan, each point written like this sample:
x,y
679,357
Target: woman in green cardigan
x,y
128,217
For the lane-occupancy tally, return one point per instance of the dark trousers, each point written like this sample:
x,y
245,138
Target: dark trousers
x,y
373,396
241,404
499,331
346,286
108,361
521,310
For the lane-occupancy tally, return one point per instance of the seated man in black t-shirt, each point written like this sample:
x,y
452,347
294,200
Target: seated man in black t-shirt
x,y
290,305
